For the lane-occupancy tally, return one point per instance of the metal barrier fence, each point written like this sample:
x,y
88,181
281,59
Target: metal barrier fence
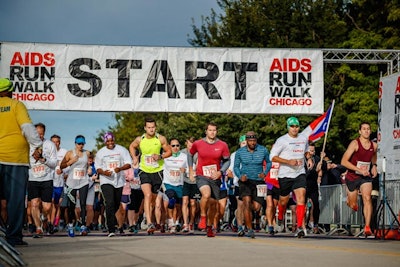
x,y
334,209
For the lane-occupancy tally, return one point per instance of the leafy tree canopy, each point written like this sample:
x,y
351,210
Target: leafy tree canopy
x,y
357,24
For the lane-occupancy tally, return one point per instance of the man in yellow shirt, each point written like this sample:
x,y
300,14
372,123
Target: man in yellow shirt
x,y
16,134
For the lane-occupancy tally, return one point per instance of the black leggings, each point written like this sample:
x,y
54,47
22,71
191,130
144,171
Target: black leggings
x,y
83,192
112,200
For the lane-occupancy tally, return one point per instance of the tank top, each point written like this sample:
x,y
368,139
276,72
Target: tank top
x,y
362,159
148,147
77,176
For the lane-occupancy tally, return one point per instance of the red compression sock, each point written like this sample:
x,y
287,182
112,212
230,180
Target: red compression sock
x,y
300,212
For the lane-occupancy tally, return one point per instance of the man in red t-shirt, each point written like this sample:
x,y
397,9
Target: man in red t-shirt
x,y
213,160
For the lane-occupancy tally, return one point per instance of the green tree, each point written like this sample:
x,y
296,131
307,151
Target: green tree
x,y
291,24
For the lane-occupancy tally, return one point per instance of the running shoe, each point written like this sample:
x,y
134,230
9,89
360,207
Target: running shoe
x,y
250,233
133,229
178,227
83,230
300,232
280,227
38,233
240,231
185,228
44,223
71,230
271,230
203,223
31,228
233,228
121,231
172,229
367,230
210,231
162,228
112,234
51,229
316,230
191,229
150,229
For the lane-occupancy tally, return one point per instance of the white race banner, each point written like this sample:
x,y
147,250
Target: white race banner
x,y
165,79
389,125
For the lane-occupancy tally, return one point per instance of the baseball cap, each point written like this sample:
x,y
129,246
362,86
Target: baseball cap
x,y
6,85
292,121
242,138
80,139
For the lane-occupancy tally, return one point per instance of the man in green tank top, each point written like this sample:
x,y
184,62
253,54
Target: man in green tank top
x,y
153,149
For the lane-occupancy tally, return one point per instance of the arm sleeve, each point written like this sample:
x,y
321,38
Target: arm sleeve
x,y
225,164
31,135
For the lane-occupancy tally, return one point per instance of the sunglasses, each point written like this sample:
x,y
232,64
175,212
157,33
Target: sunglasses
x,y
175,145
81,144
294,126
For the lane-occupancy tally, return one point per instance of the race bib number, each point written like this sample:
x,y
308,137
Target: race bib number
x,y
299,164
261,190
149,161
96,187
273,172
209,170
38,170
135,184
112,164
363,166
175,175
78,173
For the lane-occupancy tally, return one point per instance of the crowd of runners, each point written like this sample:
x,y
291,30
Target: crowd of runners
x,y
156,184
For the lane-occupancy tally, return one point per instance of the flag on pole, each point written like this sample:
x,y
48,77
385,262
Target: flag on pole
x,y
320,126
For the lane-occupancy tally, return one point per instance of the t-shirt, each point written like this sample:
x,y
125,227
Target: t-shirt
x,y
288,147
109,159
14,149
172,169
209,156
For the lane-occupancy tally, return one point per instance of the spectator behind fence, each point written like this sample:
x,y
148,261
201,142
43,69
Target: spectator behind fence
x,y
332,172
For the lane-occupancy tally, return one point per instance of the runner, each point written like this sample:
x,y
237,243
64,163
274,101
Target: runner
x,y
175,168
248,166
289,151
358,159
211,152
58,183
111,161
40,184
77,180
154,148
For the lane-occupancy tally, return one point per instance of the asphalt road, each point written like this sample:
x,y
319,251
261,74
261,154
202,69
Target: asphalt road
x,y
226,249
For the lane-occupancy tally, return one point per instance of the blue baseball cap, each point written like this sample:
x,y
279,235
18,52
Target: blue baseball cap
x,y
80,140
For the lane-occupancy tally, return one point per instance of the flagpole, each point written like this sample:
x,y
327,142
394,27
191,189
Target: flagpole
x,y
323,147
327,128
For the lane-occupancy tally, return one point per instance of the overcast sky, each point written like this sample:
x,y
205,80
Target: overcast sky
x,y
100,22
